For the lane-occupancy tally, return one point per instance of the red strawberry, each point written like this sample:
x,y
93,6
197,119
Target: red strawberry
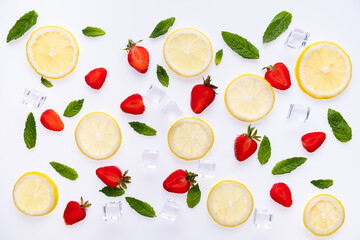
x,y
202,95
112,176
312,141
133,104
96,78
278,76
245,144
281,194
75,212
51,120
138,57
179,181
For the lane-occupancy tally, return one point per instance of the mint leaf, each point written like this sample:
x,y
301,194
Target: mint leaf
x,y
112,192
93,31
218,56
46,82
162,27
288,165
240,45
193,196
143,129
30,131
73,108
162,76
341,129
65,171
278,25
264,152
22,25
322,183
141,207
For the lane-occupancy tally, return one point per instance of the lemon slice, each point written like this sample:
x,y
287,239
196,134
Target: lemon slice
x,y
230,203
324,215
52,52
323,70
35,194
98,135
249,97
188,52
190,138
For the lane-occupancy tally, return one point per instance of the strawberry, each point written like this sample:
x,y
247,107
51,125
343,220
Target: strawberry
x,y
138,57
51,120
245,144
133,104
96,78
312,141
112,176
278,76
202,95
75,212
179,181
281,194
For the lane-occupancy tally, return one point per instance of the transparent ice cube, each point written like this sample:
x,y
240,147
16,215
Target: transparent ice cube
x,y
149,158
297,39
262,219
170,210
112,210
155,94
298,112
206,168
33,98
172,111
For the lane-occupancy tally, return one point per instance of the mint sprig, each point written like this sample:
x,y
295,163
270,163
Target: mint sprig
x,y
193,196
264,152
162,76
30,131
73,108
22,25
93,31
341,129
240,45
46,82
143,129
112,192
278,25
322,183
162,27
65,171
218,56
141,207
288,165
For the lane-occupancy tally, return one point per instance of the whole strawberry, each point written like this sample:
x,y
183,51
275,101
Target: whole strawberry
x,y
281,194
312,141
278,76
96,78
179,181
133,104
113,177
138,57
75,212
245,145
202,95
51,120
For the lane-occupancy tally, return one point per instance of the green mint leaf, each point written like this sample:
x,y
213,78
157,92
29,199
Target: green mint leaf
x,y
22,25
288,165
93,31
162,76
143,129
112,192
240,45
341,129
322,183
278,25
264,152
65,171
218,56
46,82
73,108
193,196
30,131
141,207
162,27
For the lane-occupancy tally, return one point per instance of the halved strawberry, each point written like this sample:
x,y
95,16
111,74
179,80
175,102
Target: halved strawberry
x,y
278,76
96,78
281,194
179,181
113,177
202,95
138,57
245,144
312,141
51,120
75,212
133,104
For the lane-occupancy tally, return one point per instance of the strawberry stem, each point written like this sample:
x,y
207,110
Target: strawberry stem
x,y
207,83
124,180
131,44
252,135
83,204
270,67
190,177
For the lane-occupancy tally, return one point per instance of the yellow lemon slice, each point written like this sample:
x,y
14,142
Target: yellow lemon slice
x,y
230,203
190,138
188,52
52,52
35,194
324,215
249,98
98,135
323,70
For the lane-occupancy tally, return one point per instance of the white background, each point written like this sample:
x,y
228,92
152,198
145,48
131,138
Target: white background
x,y
335,21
